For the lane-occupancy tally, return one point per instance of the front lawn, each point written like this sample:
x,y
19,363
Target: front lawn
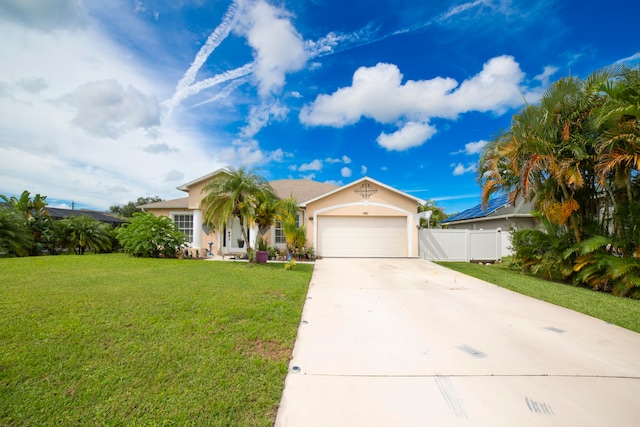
x,y
620,311
114,340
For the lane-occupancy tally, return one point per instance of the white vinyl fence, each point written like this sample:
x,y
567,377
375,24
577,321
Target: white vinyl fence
x,y
463,245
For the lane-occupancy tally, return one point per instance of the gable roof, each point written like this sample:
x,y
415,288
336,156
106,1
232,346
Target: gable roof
x,y
207,177
181,203
60,213
365,178
301,189
499,207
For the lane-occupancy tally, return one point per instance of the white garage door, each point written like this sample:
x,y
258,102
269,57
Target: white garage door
x,y
362,236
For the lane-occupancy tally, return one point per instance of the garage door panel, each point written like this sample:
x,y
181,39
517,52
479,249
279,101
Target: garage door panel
x,y
362,237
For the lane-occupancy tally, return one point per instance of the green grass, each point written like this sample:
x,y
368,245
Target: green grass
x,y
111,340
619,311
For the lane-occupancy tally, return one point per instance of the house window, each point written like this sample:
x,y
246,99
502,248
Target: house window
x,y
280,239
185,224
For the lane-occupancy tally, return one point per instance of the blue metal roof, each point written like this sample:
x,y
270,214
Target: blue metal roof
x,y
478,212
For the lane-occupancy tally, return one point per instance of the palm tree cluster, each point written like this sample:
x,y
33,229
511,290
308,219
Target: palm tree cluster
x,y
27,229
576,156
243,194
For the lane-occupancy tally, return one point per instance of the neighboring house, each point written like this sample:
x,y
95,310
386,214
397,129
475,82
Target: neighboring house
x,y
499,214
106,217
60,213
365,218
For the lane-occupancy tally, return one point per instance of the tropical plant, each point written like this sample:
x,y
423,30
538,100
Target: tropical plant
x,y
294,233
576,155
128,209
85,233
16,238
37,218
57,237
437,214
147,235
235,193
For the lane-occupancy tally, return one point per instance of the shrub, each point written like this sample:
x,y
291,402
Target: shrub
x,y
147,235
290,265
15,235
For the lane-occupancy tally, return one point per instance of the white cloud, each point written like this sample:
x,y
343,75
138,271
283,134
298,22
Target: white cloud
x,y
458,9
57,148
261,115
174,176
33,85
315,165
472,148
245,153
461,169
363,170
344,159
379,93
410,135
44,15
105,108
345,172
279,154
160,148
630,59
546,74
278,47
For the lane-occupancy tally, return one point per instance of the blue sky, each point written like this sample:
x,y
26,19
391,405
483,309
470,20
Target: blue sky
x,y
104,102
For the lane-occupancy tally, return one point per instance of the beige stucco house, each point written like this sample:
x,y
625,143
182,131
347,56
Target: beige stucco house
x,y
365,218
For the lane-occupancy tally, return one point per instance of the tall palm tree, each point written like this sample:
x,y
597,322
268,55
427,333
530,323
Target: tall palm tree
x,y
548,154
618,153
235,193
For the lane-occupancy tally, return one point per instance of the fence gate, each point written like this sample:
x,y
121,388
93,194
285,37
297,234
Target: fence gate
x,y
460,245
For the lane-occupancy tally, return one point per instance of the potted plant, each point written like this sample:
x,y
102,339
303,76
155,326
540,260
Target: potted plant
x,y
262,253
241,243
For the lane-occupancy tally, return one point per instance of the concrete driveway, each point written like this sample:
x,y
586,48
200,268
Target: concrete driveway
x,y
405,342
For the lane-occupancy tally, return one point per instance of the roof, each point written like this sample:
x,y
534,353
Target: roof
x,y
366,178
207,177
301,189
181,203
498,207
60,213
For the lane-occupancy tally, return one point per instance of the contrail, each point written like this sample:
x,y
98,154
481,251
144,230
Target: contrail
x,y
331,44
213,41
236,73
224,92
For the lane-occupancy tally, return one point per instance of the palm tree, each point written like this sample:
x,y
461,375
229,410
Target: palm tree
x,y
15,235
294,233
86,232
548,154
235,193
437,214
618,153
